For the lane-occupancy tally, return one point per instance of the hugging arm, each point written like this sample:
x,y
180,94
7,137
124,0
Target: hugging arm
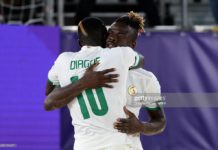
x,y
59,97
132,125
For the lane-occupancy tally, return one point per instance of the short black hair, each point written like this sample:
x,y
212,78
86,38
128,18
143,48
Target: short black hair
x,y
126,20
135,21
92,32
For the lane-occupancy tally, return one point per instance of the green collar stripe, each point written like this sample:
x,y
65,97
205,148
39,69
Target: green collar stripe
x,y
50,81
136,61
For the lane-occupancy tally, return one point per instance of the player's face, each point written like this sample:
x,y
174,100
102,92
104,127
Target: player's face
x,y
119,35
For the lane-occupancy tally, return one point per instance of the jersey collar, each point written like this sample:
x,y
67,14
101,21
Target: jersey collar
x,y
90,48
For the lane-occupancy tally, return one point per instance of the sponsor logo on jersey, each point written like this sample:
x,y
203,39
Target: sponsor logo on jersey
x,y
132,90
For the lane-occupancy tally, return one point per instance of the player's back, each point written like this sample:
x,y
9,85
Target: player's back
x,y
95,110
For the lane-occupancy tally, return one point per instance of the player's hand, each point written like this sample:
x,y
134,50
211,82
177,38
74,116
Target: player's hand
x,y
130,125
95,79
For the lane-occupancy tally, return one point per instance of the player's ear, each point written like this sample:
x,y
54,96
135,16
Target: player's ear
x,y
104,39
133,44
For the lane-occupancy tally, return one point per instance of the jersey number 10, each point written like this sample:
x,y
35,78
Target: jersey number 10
x,y
92,101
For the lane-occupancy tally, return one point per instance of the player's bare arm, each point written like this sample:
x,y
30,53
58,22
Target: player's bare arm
x,y
132,125
60,97
49,87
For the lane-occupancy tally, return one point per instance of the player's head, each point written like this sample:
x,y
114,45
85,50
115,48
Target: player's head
x,y
92,32
125,30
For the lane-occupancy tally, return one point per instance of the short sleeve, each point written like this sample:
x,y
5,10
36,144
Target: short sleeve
x,y
131,58
53,75
53,72
154,91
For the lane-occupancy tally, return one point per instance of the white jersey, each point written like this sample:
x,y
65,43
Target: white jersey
x,y
95,110
140,81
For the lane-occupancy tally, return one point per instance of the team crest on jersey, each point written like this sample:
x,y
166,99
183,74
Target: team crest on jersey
x,y
132,90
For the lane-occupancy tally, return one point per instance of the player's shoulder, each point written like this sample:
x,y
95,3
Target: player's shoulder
x,y
142,73
65,55
116,51
121,48
124,52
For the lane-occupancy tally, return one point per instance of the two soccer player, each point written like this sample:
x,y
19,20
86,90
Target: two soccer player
x,y
95,110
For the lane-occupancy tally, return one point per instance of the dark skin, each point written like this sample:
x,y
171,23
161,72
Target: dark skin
x,y
123,35
119,35
59,97
132,125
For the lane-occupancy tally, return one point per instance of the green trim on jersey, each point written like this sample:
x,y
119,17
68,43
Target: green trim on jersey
x,y
156,108
53,83
50,81
137,62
